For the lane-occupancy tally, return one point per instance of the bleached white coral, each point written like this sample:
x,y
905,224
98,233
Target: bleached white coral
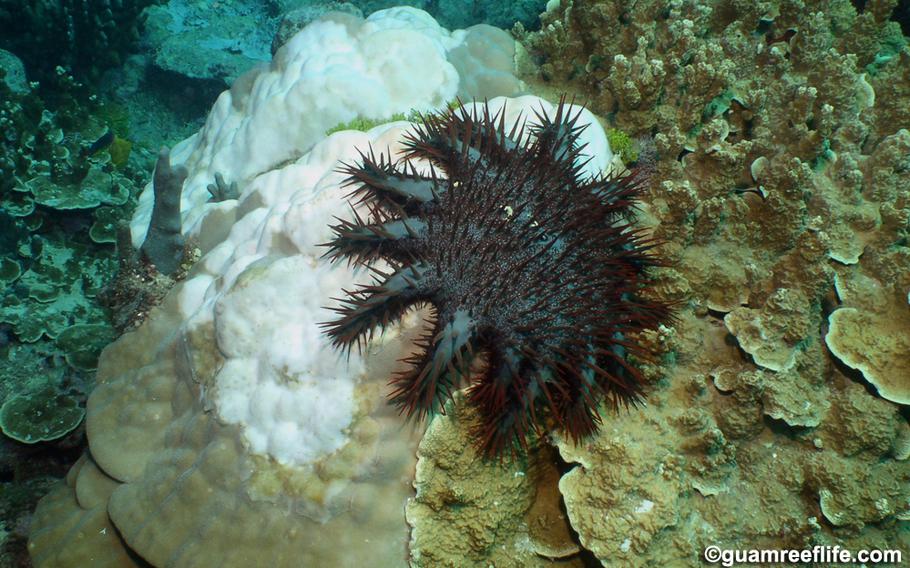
x,y
332,71
226,429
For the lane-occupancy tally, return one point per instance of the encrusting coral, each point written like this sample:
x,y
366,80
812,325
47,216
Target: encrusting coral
x,y
782,178
871,331
473,511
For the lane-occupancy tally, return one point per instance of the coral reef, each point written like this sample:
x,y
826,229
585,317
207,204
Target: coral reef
x,y
471,511
187,50
311,444
780,191
783,198
66,180
69,174
61,195
871,330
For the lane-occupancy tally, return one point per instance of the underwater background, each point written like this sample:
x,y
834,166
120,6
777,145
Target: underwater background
x,y
776,139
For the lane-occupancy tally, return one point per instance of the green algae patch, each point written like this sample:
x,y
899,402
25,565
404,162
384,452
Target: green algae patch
x,y
364,124
622,144
120,152
40,416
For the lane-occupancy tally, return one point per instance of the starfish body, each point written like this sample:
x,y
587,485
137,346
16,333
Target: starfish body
x,y
530,268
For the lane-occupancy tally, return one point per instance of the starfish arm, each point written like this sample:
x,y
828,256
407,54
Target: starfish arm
x,y
446,357
364,242
379,181
373,307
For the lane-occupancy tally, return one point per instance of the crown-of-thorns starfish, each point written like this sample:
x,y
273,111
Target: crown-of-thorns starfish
x,y
530,268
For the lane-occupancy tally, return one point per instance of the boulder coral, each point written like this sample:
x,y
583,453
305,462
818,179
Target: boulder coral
x,y
225,430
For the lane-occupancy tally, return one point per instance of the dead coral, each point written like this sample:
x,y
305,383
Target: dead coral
x,y
163,245
222,190
139,286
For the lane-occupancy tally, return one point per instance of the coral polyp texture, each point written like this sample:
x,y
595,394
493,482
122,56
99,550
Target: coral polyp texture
x,y
522,257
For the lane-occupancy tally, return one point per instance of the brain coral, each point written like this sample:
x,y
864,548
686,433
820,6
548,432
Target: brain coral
x,y
225,430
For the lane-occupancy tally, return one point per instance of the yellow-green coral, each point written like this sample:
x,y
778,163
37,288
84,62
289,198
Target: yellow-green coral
x,y
40,416
622,144
120,152
363,124
115,115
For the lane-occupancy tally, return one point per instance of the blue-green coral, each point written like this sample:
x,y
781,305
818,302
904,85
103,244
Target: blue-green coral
x,y
61,199
58,203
